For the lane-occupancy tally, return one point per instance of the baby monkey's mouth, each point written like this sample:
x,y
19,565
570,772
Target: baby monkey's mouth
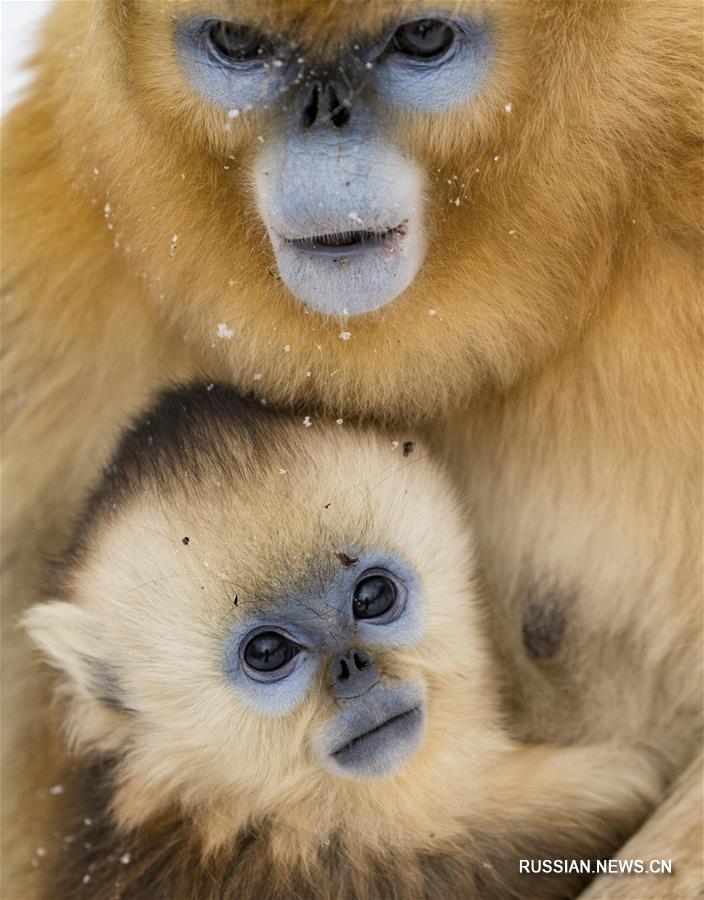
x,y
388,723
349,242
373,735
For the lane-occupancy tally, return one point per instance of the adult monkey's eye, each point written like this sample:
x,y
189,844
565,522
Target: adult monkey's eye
x,y
269,651
374,596
423,39
238,43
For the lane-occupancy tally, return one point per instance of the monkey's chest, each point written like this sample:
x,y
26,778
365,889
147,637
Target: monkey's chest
x,y
562,592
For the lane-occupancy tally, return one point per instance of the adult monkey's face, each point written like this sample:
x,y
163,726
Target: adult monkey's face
x,y
339,192
358,205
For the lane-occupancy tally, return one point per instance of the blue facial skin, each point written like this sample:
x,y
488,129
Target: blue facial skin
x,y
373,738
430,85
342,205
312,183
225,83
373,730
438,84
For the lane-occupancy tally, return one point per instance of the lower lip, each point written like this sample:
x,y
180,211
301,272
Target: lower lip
x,y
353,278
390,723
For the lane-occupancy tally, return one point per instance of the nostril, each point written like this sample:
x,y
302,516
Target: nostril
x,y
360,662
338,111
340,117
310,109
344,673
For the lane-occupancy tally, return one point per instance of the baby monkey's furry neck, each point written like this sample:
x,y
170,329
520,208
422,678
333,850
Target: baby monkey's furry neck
x,y
164,859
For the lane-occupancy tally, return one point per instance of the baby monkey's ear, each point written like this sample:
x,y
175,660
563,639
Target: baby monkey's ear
x,y
72,640
68,636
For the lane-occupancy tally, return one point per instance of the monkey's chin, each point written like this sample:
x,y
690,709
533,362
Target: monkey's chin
x,y
356,274
377,739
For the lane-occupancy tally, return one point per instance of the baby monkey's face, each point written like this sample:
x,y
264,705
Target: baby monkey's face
x,y
339,636
284,622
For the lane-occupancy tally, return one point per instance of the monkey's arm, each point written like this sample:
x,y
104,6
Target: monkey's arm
x,y
552,806
674,832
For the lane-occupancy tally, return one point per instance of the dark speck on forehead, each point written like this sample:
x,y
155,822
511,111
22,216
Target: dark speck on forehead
x,y
347,560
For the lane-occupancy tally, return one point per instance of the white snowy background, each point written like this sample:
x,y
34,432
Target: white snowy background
x,y
18,26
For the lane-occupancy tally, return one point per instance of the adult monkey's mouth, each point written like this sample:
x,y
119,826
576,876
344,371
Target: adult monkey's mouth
x,y
345,218
349,242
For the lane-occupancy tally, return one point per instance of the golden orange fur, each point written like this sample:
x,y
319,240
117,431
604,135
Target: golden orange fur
x,y
561,371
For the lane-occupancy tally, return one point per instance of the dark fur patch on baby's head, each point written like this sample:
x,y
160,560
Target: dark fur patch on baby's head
x,y
191,432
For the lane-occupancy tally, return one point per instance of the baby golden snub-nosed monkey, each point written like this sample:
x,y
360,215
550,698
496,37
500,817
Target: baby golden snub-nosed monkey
x,y
482,216
275,678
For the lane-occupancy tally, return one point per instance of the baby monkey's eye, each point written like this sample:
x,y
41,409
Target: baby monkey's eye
x,y
375,597
237,43
269,651
423,39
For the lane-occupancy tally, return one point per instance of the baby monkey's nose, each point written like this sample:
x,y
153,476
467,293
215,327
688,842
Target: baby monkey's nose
x,y
353,673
